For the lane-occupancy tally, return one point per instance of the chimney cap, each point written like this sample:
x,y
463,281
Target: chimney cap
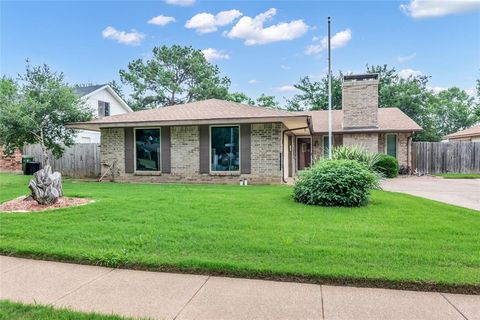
x,y
361,77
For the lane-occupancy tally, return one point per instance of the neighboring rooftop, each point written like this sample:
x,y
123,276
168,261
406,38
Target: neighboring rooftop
x,y
83,91
389,120
470,132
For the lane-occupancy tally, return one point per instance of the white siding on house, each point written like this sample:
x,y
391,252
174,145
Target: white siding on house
x,y
85,136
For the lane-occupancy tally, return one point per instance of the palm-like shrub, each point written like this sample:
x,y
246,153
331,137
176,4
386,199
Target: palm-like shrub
x,y
356,153
344,183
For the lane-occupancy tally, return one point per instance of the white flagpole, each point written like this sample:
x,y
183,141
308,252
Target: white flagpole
x,y
329,96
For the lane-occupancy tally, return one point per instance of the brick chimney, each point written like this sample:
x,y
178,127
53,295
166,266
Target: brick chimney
x,y
360,101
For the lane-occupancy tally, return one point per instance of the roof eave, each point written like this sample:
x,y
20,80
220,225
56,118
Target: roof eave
x,y
97,126
370,131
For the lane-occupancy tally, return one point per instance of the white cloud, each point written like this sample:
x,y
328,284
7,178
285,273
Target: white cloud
x,y
161,20
437,89
253,32
183,3
285,67
471,92
286,88
407,73
402,59
132,38
253,81
438,8
214,54
207,22
340,39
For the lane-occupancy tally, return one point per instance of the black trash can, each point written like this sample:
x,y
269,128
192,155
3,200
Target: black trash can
x,y
25,159
32,167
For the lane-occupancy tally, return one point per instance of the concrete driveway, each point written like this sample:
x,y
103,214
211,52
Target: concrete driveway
x,y
460,192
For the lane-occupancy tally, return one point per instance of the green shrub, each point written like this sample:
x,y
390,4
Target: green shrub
x,y
357,153
344,183
387,166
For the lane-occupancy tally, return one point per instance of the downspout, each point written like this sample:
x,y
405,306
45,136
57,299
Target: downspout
x,y
409,151
309,122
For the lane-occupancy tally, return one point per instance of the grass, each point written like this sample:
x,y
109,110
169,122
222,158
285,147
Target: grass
x,y
256,231
19,311
459,175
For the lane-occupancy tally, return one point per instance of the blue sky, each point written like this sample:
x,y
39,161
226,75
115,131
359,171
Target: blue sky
x,y
266,54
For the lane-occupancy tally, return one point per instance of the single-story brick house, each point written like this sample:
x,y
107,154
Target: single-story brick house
x,y
222,141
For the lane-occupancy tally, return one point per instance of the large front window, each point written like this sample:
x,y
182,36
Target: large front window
x,y
147,144
225,151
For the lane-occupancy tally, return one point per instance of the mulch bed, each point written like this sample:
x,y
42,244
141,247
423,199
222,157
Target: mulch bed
x,y
22,204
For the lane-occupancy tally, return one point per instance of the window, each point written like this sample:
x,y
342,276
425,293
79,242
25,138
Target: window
x,y
225,151
103,108
325,146
147,149
392,145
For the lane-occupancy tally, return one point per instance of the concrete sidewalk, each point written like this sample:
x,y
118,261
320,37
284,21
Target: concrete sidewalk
x,y
460,192
179,296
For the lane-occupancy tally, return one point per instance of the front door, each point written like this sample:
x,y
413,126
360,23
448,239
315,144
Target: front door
x,y
304,153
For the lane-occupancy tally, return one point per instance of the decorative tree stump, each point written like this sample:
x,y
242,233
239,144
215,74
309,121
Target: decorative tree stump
x,y
46,186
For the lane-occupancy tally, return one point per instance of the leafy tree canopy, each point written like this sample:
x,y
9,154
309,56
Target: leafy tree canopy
x,y
314,94
438,113
35,108
173,75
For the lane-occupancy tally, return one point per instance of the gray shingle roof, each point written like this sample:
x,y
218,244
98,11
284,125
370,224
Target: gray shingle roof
x,y
389,120
83,91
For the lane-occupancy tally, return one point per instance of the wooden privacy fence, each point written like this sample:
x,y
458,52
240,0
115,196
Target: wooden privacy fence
x,y
81,160
444,157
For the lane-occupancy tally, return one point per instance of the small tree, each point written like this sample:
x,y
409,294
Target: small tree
x,y
35,109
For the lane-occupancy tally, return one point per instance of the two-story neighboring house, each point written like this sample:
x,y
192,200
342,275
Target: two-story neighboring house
x,y
104,102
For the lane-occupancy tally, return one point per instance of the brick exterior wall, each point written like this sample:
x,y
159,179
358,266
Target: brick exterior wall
x,y
266,149
381,142
185,151
402,146
368,141
185,156
112,147
360,104
11,163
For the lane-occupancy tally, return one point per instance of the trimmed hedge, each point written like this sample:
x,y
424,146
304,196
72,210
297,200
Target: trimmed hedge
x,y
345,183
388,166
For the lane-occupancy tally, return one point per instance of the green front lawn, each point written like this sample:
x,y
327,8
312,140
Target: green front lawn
x,y
19,311
459,175
254,231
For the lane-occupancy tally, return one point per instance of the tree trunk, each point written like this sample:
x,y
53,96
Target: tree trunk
x,y
46,186
46,158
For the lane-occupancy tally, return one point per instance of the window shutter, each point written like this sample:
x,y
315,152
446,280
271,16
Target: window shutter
x,y
165,152
129,150
204,149
245,148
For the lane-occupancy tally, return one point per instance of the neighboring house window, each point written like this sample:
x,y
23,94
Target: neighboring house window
x,y
225,150
103,108
392,145
325,146
147,149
